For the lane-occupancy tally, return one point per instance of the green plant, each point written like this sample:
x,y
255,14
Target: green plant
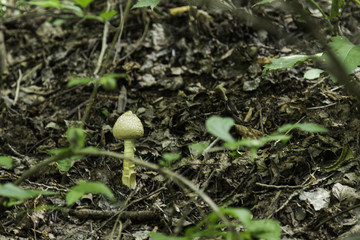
x,y
6,162
146,3
108,82
212,228
65,156
77,7
347,53
169,158
215,225
332,18
220,128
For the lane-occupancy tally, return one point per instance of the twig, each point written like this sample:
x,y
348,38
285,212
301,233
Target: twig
x,y
278,187
103,45
337,214
17,91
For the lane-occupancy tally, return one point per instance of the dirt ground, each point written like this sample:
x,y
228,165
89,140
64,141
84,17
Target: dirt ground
x,y
181,69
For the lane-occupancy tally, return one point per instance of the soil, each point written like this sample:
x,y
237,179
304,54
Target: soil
x,y
180,70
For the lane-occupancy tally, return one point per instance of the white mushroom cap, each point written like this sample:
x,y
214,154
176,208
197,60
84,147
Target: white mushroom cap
x,y
128,126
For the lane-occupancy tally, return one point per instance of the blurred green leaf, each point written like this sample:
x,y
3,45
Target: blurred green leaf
x,y
83,3
47,3
83,187
241,214
169,158
263,2
6,162
64,165
285,62
311,127
346,52
12,191
313,73
161,236
146,3
198,148
58,151
109,82
75,9
78,81
265,229
108,15
105,112
307,127
220,127
76,138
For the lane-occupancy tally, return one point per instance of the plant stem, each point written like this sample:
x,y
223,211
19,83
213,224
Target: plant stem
x,y
104,65
324,15
128,173
42,164
37,168
177,178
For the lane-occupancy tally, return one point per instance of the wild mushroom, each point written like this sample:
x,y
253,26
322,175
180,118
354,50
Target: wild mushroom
x,y
128,127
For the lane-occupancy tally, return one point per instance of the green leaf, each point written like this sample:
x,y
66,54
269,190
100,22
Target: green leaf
x,y
76,138
108,15
198,148
12,191
83,187
6,162
169,158
64,165
58,151
75,9
347,53
307,127
311,127
105,112
313,73
46,3
109,82
161,236
78,81
146,3
263,2
265,229
83,3
286,62
242,214
220,127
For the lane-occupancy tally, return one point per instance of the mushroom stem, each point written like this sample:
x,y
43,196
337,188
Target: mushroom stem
x,y
129,174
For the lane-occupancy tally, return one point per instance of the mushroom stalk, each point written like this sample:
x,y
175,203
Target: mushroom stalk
x,y
128,173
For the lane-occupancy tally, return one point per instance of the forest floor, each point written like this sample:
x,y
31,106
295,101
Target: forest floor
x,y
180,70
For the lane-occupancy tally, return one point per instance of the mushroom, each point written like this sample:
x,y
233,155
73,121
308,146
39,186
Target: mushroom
x,y
128,127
